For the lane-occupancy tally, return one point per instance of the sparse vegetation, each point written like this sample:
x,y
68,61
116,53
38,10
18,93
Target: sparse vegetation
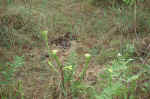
x,y
43,43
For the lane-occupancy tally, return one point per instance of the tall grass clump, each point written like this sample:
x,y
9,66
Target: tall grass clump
x,y
69,83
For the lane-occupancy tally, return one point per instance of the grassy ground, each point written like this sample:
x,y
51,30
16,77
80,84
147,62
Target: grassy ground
x,y
100,31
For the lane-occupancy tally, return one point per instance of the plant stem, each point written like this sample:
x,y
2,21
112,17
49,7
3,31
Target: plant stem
x,y
82,75
135,31
61,72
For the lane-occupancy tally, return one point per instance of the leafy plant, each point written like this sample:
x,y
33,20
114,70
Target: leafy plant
x,y
67,73
121,78
7,71
70,84
9,87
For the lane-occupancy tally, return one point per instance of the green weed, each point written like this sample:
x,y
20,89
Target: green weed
x,y
9,87
70,83
121,78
